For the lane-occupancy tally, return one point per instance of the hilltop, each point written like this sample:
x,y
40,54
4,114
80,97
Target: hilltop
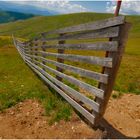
x,y
31,27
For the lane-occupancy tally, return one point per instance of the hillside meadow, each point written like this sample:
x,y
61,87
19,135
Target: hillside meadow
x,y
18,82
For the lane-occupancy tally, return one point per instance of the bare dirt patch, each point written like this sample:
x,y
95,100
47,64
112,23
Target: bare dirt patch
x,y
26,120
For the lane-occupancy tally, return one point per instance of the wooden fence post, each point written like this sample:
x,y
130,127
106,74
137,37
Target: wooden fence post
x,y
31,49
60,60
44,50
36,49
112,72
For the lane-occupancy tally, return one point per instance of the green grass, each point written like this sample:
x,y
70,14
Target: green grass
x,y
18,82
117,95
5,41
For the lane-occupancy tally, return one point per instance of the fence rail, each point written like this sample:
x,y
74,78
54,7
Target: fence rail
x,y
36,53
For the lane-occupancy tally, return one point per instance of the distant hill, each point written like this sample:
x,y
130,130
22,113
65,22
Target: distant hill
x,y
8,16
31,27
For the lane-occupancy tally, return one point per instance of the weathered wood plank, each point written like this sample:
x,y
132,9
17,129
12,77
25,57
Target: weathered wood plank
x,y
86,73
19,41
103,33
98,46
87,26
83,111
90,26
107,62
69,90
20,44
95,91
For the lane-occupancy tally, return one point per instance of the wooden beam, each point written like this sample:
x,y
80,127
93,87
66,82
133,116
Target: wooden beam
x,y
86,59
97,46
123,35
96,25
86,73
60,60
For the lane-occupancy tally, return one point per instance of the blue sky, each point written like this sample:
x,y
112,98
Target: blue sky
x,y
67,6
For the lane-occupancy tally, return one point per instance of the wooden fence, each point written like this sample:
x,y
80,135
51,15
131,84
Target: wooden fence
x,y
36,54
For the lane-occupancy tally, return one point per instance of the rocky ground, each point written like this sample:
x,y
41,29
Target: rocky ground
x,y
26,120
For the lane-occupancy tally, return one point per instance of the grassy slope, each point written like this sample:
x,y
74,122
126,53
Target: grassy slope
x,y
15,74
31,27
18,82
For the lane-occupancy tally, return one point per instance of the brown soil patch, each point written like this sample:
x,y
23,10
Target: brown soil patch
x,y
26,120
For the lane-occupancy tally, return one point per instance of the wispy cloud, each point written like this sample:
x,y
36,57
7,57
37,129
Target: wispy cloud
x,y
127,7
63,6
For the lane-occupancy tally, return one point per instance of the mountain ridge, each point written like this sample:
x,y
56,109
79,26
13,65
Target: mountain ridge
x,y
10,16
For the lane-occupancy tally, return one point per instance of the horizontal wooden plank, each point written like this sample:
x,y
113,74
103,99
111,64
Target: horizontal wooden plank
x,y
87,73
85,27
78,96
83,111
95,91
107,62
98,46
24,50
23,43
103,33
20,43
90,26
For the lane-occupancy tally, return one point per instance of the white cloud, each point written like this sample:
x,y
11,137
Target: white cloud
x,y
63,6
127,7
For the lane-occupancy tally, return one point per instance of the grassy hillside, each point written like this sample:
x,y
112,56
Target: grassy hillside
x,y
128,71
33,26
8,16
13,68
18,83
